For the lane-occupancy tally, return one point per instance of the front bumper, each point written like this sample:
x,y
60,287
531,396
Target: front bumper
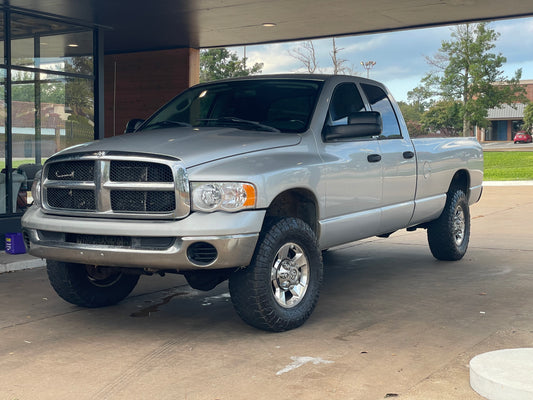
x,y
229,237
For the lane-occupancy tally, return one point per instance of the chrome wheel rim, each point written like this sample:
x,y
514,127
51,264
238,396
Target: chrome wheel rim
x,y
290,275
459,226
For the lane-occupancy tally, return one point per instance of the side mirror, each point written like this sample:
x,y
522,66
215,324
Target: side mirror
x,y
133,124
360,124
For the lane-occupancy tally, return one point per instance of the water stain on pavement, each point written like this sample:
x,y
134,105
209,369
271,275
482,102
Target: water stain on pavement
x,y
145,312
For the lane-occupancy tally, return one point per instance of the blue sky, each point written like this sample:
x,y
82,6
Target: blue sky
x,y
399,56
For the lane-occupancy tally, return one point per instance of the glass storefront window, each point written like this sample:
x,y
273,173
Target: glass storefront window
x,y
49,114
52,98
3,125
49,45
3,142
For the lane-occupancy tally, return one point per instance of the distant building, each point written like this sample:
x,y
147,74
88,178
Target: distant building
x,y
506,120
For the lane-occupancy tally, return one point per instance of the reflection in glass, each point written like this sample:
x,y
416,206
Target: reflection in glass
x,y
52,99
3,142
49,113
2,46
50,45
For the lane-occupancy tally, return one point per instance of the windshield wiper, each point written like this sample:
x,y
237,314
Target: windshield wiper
x,y
166,124
239,123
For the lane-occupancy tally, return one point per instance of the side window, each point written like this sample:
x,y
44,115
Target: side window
x,y
346,100
380,102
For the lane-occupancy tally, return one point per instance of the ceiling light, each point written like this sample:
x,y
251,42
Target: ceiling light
x,y
73,45
269,24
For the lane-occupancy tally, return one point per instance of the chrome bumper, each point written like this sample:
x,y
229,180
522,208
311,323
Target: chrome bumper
x,y
45,237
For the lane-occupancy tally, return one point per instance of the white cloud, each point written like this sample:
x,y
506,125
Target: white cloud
x,y
274,57
400,56
374,42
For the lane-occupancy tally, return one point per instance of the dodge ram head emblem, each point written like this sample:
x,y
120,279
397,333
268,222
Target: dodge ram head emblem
x,y
63,176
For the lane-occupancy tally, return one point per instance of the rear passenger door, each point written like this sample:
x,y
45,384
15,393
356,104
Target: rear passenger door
x,y
398,161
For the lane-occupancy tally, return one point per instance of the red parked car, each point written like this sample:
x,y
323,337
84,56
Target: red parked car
x,y
522,137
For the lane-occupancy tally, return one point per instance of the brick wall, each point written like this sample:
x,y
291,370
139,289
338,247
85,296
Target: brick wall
x,y
137,84
529,91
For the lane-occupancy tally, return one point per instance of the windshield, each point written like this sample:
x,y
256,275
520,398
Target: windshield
x,y
277,105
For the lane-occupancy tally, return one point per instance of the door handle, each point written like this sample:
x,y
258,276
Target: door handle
x,y
408,154
373,158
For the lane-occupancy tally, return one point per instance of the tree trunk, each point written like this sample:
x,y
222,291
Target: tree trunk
x,y
466,126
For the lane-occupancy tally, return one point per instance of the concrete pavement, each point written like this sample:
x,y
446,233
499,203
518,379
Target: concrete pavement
x,y
392,322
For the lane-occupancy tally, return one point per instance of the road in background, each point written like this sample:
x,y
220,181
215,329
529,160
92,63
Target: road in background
x,y
506,146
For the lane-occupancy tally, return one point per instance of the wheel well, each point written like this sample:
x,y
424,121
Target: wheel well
x,y
298,203
461,180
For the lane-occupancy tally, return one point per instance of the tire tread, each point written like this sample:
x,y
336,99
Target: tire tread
x,y
249,289
71,283
439,233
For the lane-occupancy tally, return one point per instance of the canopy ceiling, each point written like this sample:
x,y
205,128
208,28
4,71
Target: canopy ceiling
x,y
136,25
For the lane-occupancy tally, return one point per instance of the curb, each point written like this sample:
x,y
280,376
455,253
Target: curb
x,y
508,183
12,263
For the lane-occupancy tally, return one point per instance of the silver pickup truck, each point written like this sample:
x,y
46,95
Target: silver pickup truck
x,y
248,179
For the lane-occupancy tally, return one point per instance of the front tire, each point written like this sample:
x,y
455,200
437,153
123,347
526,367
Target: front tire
x,y
88,285
449,235
278,291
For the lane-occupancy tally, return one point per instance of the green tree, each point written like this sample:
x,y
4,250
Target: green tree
x,y
420,97
466,71
411,111
221,63
528,117
23,89
412,114
79,92
443,117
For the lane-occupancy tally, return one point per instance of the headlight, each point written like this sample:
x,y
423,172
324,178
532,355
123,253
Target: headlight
x,y
36,188
225,196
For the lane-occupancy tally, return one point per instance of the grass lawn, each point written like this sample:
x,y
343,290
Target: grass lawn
x,y
508,165
17,162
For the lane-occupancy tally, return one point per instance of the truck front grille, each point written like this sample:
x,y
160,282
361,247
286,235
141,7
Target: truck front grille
x,y
71,171
133,171
124,200
116,186
73,199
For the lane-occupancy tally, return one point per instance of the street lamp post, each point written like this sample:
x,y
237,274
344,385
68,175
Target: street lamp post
x,y
368,65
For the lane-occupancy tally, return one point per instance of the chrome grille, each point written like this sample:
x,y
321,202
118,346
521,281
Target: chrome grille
x,y
116,186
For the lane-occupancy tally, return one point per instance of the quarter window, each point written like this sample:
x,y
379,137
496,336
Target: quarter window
x,y
379,101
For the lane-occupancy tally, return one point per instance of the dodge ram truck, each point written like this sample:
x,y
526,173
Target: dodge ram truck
x,y
248,180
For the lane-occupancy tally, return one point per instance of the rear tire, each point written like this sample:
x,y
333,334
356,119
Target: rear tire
x,y
449,235
278,291
88,285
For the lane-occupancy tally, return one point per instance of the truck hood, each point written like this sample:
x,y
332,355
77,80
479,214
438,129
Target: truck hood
x,y
193,146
